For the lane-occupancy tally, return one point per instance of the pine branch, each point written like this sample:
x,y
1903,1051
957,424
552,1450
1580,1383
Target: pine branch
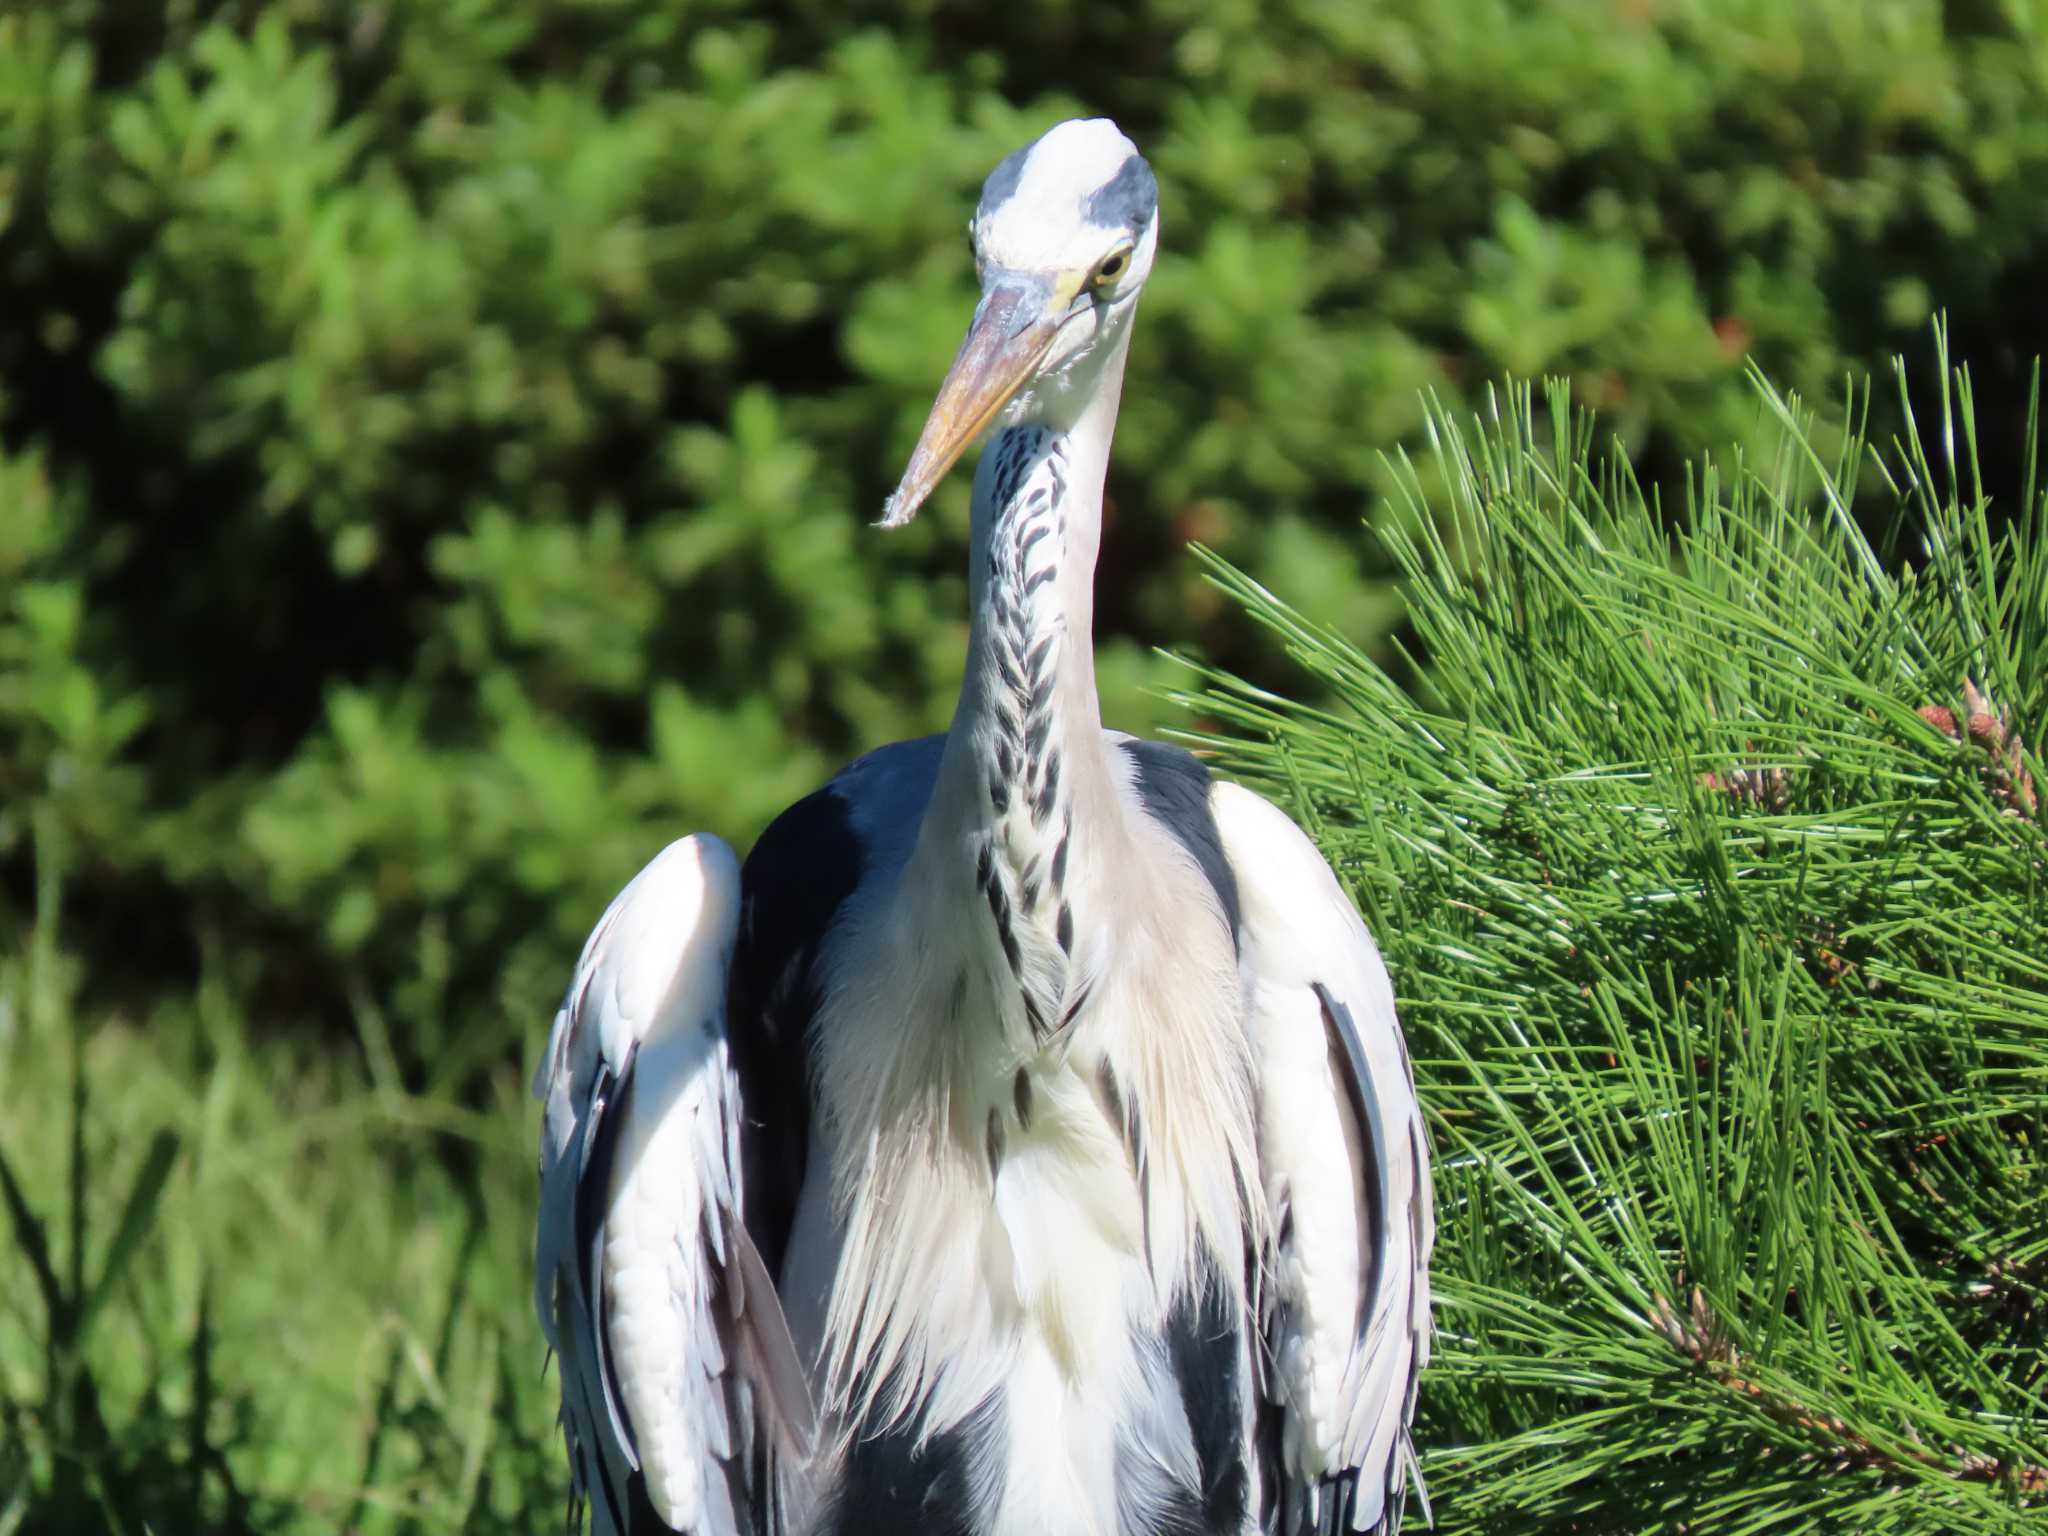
x,y
1708,857
1697,1335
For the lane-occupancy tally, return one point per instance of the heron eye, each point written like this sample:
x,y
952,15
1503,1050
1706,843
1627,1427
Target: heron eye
x,y
1111,267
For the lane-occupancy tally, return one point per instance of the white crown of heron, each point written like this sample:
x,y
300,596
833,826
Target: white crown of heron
x,y
1060,277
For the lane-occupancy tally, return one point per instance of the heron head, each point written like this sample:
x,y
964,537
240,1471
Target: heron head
x,y
1063,241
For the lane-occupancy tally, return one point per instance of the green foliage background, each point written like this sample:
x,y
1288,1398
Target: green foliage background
x,y
436,439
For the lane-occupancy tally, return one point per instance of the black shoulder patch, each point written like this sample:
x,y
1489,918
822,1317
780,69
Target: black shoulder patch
x,y
1128,200
794,881
796,877
1173,786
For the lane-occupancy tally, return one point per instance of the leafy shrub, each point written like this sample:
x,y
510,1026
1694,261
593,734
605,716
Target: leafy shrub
x,y
436,440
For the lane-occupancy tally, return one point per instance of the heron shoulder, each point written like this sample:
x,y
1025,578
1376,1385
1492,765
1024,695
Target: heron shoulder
x,y
817,853
1291,897
1174,789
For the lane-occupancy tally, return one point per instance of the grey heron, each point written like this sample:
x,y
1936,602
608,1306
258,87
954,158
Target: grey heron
x,y
1023,1141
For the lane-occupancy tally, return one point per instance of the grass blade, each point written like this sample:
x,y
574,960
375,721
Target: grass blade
x,y
138,1215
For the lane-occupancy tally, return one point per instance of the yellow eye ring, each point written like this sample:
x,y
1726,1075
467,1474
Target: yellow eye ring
x,y
1111,267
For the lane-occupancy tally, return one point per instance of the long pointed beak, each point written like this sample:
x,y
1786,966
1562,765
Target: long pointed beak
x,y
1012,332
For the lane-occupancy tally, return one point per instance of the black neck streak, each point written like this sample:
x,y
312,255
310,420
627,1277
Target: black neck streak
x,y
1021,868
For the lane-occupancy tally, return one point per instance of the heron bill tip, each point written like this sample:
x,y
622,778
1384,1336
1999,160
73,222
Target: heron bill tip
x,y
1011,335
902,505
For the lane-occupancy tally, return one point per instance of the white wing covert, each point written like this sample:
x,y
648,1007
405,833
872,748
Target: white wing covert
x,y
1345,1159
682,1394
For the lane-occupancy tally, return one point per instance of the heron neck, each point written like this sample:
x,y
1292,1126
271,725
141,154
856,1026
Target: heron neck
x,y
1026,804
1028,702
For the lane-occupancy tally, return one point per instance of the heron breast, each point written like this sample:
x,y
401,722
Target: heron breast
x,y
1068,1222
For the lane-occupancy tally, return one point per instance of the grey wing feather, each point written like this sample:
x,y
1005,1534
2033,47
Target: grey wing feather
x,y
683,1399
1345,1161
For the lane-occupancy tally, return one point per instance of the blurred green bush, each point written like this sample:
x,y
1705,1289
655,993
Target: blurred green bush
x,y
436,436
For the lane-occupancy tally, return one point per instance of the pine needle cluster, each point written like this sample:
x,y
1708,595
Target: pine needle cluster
x,y
1709,857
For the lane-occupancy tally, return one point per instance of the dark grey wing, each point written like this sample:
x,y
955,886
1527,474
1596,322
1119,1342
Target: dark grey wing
x,y
797,880
681,1391
1345,1163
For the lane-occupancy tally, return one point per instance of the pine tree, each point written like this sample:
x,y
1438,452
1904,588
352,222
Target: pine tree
x,y
1708,853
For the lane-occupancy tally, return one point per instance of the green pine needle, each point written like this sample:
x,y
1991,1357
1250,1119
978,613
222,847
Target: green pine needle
x,y
1709,857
